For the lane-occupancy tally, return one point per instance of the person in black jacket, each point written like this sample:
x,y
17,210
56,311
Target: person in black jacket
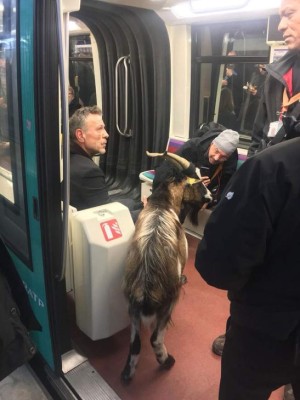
x,y
233,80
253,91
215,154
283,76
226,115
251,248
73,101
16,317
88,138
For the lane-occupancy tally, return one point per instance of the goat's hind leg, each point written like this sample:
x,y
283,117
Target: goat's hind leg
x,y
134,351
165,359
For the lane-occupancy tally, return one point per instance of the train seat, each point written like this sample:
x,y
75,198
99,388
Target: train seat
x,y
242,156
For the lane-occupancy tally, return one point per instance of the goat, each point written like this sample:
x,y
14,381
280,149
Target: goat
x,y
156,258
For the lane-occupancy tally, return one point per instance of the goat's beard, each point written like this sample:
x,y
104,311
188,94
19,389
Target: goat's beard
x,y
191,210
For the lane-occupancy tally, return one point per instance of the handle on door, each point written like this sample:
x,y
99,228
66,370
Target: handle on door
x,y
125,60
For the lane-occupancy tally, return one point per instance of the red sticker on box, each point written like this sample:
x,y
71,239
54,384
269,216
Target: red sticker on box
x,y
111,230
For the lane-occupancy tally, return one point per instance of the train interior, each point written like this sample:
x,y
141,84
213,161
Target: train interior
x,y
157,69
197,370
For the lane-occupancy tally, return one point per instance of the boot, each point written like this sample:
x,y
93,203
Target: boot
x,y
218,345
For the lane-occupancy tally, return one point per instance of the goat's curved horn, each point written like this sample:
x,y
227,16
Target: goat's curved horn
x,y
154,154
181,161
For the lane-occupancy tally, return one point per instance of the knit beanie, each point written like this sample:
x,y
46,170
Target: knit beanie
x,y
227,141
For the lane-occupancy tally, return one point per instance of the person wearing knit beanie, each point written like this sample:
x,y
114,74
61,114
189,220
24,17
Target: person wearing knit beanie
x,y
223,146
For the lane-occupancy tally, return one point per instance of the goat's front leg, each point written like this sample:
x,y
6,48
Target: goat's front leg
x,y
134,351
157,341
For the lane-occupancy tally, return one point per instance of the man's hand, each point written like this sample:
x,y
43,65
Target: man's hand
x,y
2,103
224,82
205,180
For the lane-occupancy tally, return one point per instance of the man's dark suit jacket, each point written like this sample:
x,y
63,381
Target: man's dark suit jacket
x,y
87,180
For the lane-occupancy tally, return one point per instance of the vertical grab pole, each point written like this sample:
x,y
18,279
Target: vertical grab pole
x,y
63,9
126,94
120,60
63,40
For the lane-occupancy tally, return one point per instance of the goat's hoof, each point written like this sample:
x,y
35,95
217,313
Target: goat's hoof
x,y
125,376
168,364
183,279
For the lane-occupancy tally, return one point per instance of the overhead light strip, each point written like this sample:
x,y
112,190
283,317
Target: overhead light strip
x,y
185,10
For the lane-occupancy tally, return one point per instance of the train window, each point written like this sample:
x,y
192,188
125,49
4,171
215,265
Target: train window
x,y
229,72
13,226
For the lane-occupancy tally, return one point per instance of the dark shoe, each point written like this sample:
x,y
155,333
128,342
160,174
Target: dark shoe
x,y
218,345
288,393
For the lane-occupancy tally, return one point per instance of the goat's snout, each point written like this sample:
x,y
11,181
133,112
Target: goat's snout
x,y
196,192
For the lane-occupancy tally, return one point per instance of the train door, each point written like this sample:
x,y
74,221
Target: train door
x,y
30,197
30,187
134,62
30,211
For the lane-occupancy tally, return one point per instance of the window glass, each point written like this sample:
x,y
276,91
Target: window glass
x,y
230,72
6,51
13,227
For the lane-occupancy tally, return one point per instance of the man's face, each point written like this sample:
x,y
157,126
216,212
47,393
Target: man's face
x,y
290,23
216,156
70,96
262,69
93,137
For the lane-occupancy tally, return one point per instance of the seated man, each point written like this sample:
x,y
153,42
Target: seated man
x,y
88,137
215,154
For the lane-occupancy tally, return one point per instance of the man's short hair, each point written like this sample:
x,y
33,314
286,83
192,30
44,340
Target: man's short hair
x,y
77,121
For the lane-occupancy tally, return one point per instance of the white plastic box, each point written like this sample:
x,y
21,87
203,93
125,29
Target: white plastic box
x,y
101,237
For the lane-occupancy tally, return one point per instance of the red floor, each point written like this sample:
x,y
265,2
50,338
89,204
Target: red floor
x,y
200,316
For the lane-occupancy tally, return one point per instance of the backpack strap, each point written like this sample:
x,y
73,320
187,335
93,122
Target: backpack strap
x,y
217,172
286,102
